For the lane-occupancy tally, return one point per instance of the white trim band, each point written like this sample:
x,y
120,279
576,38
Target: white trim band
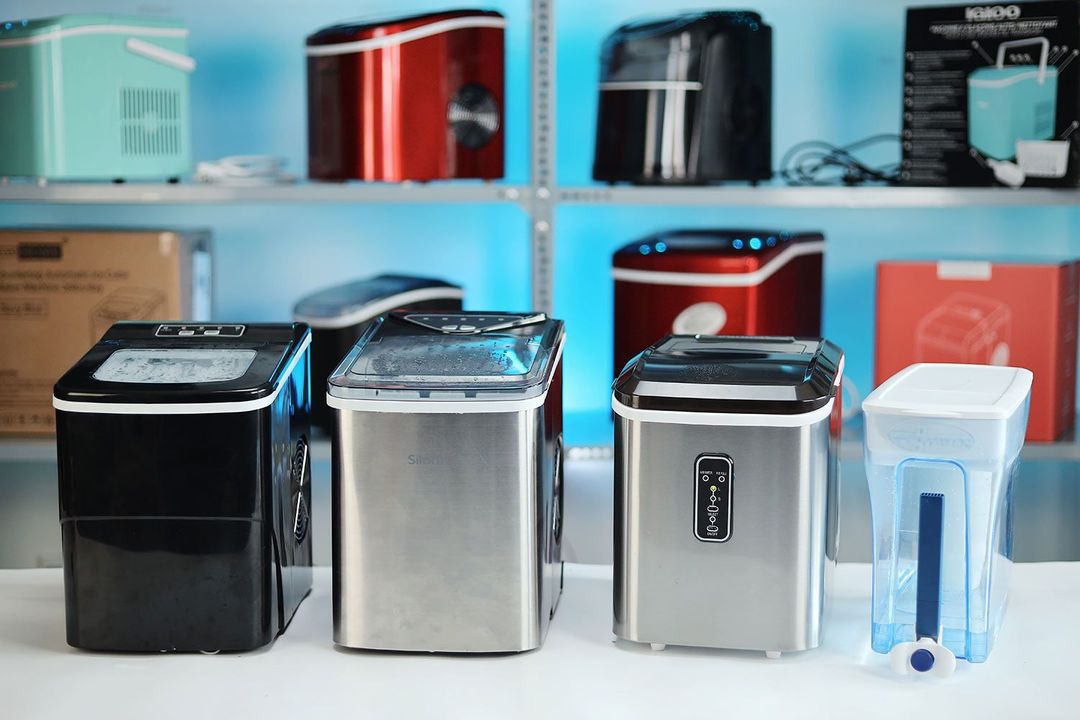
x,y
417,33
654,277
372,310
212,408
651,85
679,417
94,30
181,62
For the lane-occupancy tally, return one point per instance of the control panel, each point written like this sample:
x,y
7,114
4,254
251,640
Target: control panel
x,y
714,476
200,330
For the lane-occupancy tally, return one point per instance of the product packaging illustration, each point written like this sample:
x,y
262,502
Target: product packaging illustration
x,y
992,95
985,313
62,289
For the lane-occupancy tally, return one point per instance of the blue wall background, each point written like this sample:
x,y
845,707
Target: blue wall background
x,y
837,78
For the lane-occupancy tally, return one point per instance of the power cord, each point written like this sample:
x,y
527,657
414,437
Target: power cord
x,y
816,162
245,170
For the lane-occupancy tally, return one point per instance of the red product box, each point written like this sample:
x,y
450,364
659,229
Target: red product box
x,y
985,313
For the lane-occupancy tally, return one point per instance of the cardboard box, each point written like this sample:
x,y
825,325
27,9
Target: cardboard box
x,y
992,94
60,289
985,313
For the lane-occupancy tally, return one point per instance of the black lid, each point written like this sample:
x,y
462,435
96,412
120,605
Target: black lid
x,y
705,373
150,363
358,301
639,50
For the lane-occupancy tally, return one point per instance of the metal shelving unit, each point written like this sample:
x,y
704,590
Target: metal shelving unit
x,y
302,192
819,197
539,199
541,196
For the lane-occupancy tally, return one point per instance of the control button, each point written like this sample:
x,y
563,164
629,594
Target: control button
x,y
712,518
187,332
449,327
712,509
466,328
212,332
704,478
712,498
712,528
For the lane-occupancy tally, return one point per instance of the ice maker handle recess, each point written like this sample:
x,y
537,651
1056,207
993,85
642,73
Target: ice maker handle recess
x,y
1043,55
159,54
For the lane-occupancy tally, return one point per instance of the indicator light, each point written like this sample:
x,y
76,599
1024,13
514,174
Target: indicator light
x,y
755,243
737,244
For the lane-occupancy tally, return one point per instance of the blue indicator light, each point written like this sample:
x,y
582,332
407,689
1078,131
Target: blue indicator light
x,y
7,26
644,249
771,242
737,244
755,243
661,246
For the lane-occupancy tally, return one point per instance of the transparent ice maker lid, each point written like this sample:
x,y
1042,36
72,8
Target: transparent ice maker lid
x,y
451,356
705,373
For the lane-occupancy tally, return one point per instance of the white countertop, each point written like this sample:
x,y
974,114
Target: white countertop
x,y
579,673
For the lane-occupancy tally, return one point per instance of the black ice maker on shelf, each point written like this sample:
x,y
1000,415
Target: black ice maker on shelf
x,y
185,486
686,99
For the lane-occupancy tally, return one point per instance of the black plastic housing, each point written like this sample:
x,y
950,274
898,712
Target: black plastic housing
x,y
186,532
713,124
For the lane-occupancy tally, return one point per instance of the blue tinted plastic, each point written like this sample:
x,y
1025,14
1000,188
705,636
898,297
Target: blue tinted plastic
x,y
975,531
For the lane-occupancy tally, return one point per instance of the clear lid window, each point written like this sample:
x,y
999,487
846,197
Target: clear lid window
x,y
179,365
472,359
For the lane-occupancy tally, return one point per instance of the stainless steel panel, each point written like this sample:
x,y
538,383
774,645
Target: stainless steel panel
x,y
443,530
764,588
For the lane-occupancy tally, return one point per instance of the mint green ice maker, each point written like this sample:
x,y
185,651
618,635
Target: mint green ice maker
x,y
94,97
1006,104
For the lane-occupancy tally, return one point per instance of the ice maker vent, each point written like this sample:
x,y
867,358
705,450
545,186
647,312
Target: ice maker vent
x,y
150,122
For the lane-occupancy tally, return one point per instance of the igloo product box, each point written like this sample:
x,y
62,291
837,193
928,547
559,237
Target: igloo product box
x,y
992,94
185,486
985,313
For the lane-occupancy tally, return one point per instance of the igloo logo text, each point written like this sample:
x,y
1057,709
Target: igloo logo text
x,y
981,13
